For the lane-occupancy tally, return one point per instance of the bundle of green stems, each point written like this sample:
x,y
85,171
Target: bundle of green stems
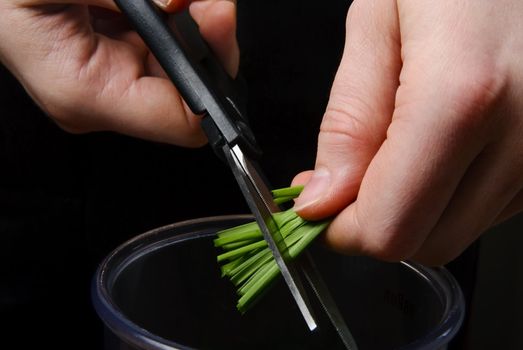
x,y
247,260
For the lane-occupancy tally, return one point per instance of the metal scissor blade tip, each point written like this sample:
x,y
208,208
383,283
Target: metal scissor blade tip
x,y
259,200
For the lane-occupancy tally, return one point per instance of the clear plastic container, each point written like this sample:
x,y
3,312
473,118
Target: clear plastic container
x,y
163,290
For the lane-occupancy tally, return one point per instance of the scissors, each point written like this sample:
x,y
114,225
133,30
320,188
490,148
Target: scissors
x,y
210,92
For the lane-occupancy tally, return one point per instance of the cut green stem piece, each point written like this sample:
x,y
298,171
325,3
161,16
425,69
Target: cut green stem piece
x,y
238,252
292,192
247,299
247,260
241,273
308,234
240,233
230,266
238,244
258,278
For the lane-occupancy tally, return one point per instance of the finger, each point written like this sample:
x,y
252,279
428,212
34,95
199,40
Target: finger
x,y
165,121
170,121
359,110
129,103
172,6
486,189
442,122
217,22
302,178
115,26
515,207
107,4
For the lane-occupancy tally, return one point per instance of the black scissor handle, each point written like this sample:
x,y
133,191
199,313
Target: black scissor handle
x,y
203,83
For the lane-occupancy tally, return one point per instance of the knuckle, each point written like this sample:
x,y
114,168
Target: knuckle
x,y
356,10
346,125
353,11
390,252
67,112
392,244
474,91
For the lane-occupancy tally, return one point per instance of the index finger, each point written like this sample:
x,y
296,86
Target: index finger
x,y
108,4
172,6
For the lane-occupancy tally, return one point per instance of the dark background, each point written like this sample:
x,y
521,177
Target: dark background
x,y
68,200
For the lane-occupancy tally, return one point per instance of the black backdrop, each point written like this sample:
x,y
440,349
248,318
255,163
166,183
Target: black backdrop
x,y
67,200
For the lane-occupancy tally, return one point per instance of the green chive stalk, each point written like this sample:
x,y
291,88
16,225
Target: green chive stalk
x,y
247,260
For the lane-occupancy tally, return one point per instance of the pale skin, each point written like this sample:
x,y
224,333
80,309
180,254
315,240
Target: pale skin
x,y
90,72
420,149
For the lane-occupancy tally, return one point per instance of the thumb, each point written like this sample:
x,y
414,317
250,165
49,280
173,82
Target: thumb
x,y
359,111
171,5
217,22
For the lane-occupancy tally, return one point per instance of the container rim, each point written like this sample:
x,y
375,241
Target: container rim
x,y
448,289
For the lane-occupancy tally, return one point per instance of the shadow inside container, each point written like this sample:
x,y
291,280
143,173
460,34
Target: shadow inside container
x,y
163,290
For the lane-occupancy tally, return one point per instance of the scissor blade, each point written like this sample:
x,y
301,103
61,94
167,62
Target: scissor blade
x,y
327,302
260,202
